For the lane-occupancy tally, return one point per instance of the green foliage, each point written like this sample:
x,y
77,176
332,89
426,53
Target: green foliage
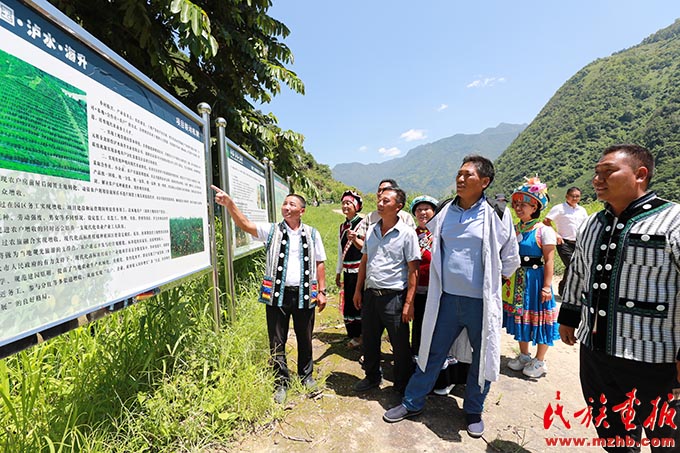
x,y
632,96
153,377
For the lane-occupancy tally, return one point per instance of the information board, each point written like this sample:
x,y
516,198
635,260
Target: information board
x,y
281,190
102,180
247,186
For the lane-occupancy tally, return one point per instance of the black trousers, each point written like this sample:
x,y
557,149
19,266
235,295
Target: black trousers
x,y
351,315
377,314
565,251
278,320
613,377
418,315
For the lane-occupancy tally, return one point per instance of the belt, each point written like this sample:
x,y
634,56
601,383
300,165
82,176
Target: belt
x,y
569,241
384,292
531,261
291,289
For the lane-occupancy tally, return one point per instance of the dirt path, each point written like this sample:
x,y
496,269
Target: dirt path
x,y
335,419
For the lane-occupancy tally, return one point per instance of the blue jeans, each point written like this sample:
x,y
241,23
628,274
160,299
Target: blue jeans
x,y
455,314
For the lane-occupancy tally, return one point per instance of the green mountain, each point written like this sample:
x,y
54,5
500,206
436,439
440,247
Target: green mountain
x,y
429,168
631,96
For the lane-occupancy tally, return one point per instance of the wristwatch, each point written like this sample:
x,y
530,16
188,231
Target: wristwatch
x,y
322,291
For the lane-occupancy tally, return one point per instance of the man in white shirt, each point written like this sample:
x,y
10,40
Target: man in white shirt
x,y
567,217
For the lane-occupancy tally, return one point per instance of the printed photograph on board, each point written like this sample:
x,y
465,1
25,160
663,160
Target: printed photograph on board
x,y
43,122
186,236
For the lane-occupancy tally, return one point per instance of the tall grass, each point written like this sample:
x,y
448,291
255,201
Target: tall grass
x,y
153,377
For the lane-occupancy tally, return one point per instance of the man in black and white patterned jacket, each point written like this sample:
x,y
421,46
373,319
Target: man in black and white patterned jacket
x,y
622,303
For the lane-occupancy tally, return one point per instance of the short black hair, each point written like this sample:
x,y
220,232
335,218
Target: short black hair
x,y
482,164
642,156
401,195
303,202
573,189
392,182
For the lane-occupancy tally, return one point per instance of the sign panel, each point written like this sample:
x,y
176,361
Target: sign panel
x,y
247,186
102,181
281,190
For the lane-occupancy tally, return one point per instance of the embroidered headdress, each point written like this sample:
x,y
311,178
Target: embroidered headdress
x,y
532,191
353,197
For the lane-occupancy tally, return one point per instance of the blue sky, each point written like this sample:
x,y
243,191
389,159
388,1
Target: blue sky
x,y
383,77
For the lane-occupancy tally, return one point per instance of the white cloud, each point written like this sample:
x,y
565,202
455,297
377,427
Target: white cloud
x,y
390,152
442,107
363,148
413,134
485,82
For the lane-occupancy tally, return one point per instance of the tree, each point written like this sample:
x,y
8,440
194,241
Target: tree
x,y
228,53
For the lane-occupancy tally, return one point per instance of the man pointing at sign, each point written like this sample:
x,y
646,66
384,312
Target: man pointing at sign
x,y
294,282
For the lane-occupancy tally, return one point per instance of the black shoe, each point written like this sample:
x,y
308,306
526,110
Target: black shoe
x,y
400,389
398,413
366,384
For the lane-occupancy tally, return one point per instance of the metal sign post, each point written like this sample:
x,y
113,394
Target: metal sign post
x,y
223,157
204,109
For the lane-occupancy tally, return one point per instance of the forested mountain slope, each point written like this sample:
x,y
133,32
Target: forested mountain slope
x,y
630,96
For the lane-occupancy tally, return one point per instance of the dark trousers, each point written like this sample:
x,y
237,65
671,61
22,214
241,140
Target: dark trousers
x,y
278,320
418,315
351,315
377,314
565,251
613,377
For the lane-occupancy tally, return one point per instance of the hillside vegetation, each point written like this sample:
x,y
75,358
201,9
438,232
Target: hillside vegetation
x,y
630,96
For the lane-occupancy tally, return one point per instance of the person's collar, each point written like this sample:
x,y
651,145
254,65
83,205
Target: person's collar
x,y
396,226
291,228
456,201
635,207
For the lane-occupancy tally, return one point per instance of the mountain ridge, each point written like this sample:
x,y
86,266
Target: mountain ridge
x,y
439,160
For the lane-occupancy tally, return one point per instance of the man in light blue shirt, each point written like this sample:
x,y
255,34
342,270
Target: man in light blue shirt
x,y
461,244
473,246
386,285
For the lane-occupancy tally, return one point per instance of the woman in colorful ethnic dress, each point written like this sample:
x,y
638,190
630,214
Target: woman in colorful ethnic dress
x,y
349,257
530,314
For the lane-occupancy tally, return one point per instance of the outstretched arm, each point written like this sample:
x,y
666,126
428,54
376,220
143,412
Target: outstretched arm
x,y
241,221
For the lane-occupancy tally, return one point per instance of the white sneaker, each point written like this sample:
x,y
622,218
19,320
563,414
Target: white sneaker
x,y
519,362
535,369
444,391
